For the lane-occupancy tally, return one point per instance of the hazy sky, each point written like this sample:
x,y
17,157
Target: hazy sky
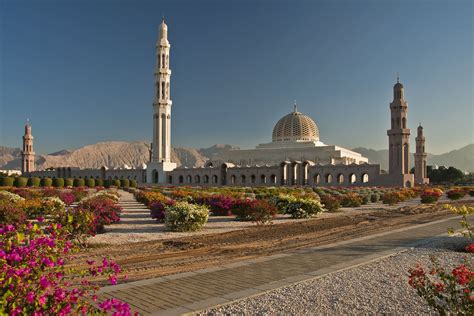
x,y
82,71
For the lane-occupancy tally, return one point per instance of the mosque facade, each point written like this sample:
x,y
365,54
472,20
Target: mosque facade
x,y
296,156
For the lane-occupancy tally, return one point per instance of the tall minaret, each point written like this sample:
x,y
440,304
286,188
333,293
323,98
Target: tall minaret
x,y
162,102
27,154
420,158
160,160
399,137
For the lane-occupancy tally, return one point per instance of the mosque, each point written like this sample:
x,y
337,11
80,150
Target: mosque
x,y
295,156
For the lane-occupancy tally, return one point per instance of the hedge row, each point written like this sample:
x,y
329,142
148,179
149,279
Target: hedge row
x,y
69,182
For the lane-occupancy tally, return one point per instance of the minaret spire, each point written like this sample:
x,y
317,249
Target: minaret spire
x,y
295,109
420,158
27,154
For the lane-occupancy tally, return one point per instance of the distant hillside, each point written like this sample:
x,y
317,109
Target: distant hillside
x,y
10,157
462,158
112,154
116,154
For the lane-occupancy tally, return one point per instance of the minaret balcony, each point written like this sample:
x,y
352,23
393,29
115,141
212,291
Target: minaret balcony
x,y
398,131
163,71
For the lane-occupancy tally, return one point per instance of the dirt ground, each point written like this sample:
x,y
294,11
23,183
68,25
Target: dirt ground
x,y
150,259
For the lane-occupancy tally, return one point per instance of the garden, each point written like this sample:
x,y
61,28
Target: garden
x,y
46,226
178,207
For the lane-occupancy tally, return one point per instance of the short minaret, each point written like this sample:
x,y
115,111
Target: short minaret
x,y
399,138
420,158
27,154
160,161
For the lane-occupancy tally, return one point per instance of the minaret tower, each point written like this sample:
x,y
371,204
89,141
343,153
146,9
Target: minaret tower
x,y
399,139
420,158
162,102
27,154
161,146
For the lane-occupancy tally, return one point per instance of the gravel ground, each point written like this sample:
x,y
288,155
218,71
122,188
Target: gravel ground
x,y
380,287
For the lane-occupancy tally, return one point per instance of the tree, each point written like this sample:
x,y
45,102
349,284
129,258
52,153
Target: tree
x,y
445,175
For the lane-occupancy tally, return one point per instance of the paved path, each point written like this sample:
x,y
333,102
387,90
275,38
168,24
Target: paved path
x,y
193,291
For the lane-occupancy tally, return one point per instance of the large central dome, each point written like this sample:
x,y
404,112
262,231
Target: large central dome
x,y
295,127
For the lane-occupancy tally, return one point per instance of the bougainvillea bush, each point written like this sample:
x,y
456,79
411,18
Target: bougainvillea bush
x,y
34,279
448,292
431,195
455,194
184,216
220,204
105,211
260,212
158,209
331,203
351,200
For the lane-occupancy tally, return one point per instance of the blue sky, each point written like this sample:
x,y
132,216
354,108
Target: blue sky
x,y
82,71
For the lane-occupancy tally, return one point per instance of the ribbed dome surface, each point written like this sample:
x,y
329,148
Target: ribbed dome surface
x,y
295,127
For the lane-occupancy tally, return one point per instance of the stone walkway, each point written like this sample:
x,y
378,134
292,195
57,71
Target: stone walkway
x,y
194,291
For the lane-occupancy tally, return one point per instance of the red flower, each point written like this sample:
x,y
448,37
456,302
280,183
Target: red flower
x,y
470,248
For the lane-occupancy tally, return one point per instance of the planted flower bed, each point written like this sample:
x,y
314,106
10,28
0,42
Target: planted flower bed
x,y
39,235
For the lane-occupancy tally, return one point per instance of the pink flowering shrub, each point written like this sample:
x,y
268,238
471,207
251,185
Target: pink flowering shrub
x,y
67,197
446,292
35,281
105,211
221,205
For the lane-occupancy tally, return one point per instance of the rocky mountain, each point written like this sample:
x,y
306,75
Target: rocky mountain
x,y
116,154
10,156
462,158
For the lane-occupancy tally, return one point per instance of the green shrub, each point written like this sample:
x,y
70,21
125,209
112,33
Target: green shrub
x,y
351,200
99,182
374,198
69,182
20,182
107,183
184,216
90,182
304,208
58,182
365,199
6,181
34,182
79,182
124,183
133,183
46,182
282,202
455,194
116,183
